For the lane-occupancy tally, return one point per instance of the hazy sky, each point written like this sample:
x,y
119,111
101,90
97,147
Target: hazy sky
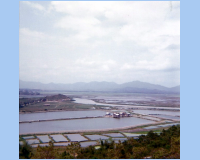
x,y
115,41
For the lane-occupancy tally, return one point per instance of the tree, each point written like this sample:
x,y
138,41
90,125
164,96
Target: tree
x,y
140,152
25,151
73,149
47,152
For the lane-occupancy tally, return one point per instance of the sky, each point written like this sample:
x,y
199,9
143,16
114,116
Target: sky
x,y
114,41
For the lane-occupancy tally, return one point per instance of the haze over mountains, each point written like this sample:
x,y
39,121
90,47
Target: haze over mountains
x,y
130,87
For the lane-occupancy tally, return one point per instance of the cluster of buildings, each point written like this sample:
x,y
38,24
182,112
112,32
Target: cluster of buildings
x,y
118,114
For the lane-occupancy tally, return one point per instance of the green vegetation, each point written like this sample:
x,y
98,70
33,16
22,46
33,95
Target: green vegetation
x,y
53,102
29,92
25,151
165,145
145,132
31,101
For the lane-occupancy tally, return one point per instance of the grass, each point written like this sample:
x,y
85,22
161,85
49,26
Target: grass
x,y
90,133
101,132
20,138
51,138
145,132
65,105
59,105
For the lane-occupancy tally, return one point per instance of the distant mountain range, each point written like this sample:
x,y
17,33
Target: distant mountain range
x,y
130,87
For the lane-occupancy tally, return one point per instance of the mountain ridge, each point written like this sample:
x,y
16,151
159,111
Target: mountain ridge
x,y
128,87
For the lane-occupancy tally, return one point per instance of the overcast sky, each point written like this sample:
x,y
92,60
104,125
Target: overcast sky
x,y
115,41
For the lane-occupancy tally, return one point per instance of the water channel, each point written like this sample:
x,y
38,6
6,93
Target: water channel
x,y
88,101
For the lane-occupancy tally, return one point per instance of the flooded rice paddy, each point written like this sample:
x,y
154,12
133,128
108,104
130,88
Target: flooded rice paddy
x,y
60,115
96,137
62,144
59,138
119,139
44,139
151,118
32,141
21,142
154,112
114,135
168,117
81,124
151,127
28,137
161,126
132,135
86,144
76,137
168,125
41,145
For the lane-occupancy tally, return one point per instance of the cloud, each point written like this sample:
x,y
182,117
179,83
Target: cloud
x,y
123,21
32,38
173,47
127,66
34,5
162,62
29,33
96,64
89,27
116,41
